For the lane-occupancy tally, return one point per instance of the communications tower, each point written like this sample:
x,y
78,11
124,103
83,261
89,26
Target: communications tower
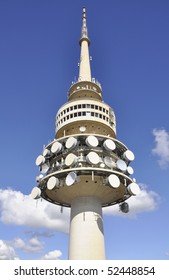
x,y
85,167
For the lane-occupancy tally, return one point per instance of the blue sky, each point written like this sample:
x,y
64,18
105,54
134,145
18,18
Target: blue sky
x,y
39,54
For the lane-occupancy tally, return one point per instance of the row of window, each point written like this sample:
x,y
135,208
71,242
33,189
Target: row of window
x,y
83,106
81,114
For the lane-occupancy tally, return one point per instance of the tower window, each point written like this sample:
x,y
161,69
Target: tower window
x,y
75,107
92,106
96,107
79,106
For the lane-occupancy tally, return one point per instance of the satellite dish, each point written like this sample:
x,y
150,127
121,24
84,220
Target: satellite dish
x,y
124,207
71,159
133,189
44,168
92,141
113,181
130,170
46,153
40,160
57,164
93,158
109,162
39,178
82,129
71,178
121,165
102,165
52,183
36,193
128,155
71,143
56,147
109,145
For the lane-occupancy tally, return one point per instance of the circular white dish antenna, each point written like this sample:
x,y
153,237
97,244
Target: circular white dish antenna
x,y
36,193
44,168
71,159
92,141
71,178
121,165
52,183
128,155
102,165
130,170
109,145
39,178
46,152
40,160
133,189
82,129
71,143
93,158
113,181
56,147
109,162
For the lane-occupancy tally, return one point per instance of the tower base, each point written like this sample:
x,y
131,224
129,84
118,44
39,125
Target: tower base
x,y
86,230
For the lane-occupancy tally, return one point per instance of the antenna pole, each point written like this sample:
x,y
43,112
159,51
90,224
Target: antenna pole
x,y
84,67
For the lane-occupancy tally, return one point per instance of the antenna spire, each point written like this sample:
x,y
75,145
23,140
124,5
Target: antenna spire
x,y
84,27
84,66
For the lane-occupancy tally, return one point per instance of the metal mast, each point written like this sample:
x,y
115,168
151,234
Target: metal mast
x,y
84,67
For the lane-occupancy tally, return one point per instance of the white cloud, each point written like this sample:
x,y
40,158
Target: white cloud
x,y
52,255
161,146
7,252
19,209
145,201
33,245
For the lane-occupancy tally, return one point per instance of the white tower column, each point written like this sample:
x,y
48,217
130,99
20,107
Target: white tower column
x,y
84,67
86,230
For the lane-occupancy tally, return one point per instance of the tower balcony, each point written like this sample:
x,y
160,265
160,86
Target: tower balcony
x,y
85,89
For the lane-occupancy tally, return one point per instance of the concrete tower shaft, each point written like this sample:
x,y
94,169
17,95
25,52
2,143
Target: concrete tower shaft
x,y
85,167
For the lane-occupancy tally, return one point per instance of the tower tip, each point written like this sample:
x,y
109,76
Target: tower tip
x,y
84,11
84,33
